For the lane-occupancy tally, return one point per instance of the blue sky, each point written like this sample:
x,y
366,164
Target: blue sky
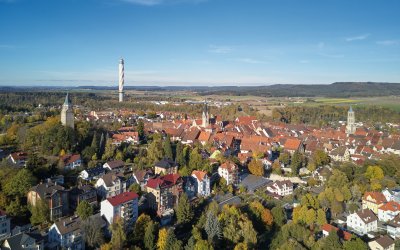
x,y
198,42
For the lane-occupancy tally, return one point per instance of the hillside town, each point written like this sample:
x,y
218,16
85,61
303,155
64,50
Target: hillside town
x,y
163,171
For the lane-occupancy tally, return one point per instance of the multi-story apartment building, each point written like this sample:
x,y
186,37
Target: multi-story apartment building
x,y
163,192
112,184
123,206
363,221
202,182
281,188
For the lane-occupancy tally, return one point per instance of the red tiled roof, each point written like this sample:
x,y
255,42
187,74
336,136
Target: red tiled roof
x,y
377,196
230,166
342,234
19,155
122,198
391,206
163,181
199,174
292,144
204,136
68,159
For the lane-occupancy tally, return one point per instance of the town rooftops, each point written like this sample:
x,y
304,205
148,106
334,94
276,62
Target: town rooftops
x,y
122,198
367,216
47,189
163,181
229,165
292,144
390,206
73,223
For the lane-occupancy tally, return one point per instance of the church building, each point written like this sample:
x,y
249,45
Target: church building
x,y
67,113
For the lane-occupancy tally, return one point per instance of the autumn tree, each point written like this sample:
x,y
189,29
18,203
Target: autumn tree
x,y
284,158
150,236
140,227
92,232
279,215
40,213
375,175
118,237
256,167
320,158
84,210
167,148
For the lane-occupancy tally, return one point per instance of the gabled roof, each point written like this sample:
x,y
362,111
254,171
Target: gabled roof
x,y
115,164
391,206
292,144
46,190
165,163
163,181
377,196
17,242
199,174
229,165
385,241
68,159
367,216
342,234
122,198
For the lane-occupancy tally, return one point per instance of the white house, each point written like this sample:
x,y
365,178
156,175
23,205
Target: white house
x,y
202,182
19,158
281,188
388,211
363,221
92,173
112,184
67,234
71,161
123,206
229,171
393,227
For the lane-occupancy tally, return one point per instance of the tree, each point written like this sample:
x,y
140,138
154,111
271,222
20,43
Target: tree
x,y
321,217
162,239
19,184
241,246
180,157
266,217
140,227
92,232
331,242
40,213
284,158
320,158
256,167
310,217
278,215
150,236
296,162
184,211
171,242
195,159
212,227
118,237
84,210
135,187
167,148
140,129
355,244
203,245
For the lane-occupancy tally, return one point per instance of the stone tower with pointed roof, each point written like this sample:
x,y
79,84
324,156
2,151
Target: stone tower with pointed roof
x,y
351,122
67,113
205,118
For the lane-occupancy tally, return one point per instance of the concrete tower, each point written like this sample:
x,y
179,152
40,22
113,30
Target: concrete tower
x,y
205,118
67,113
121,80
351,122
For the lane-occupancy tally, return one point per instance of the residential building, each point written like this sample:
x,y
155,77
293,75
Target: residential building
x,y
373,201
281,188
388,211
4,225
230,172
166,166
92,173
382,243
393,227
55,196
328,228
363,221
202,182
115,166
18,158
340,154
67,232
122,206
142,176
164,192
27,241
112,184
82,193
71,161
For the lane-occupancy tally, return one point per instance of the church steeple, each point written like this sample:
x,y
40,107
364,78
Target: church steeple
x,y
205,118
351,122
67,101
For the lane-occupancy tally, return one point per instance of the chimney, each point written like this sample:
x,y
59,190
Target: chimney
x,y
65,223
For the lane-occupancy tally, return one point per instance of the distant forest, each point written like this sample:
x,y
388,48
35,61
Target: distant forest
x,y
338,89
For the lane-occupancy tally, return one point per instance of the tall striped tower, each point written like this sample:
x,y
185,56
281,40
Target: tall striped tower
x,y
121,80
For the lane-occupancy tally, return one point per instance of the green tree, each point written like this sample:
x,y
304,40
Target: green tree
x,y
284,158
279,215
84,210
203,245
40,213
171,242
180,157
212,227
150,236
355,244
19,184
140,130
331,242
320,158
167,148
321,217
118,237
184,211
256,167
296,162
135,187
140,228
195,159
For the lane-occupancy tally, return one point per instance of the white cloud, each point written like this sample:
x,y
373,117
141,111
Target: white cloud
x,y
159,2
220,49
388,42
357,38
249,60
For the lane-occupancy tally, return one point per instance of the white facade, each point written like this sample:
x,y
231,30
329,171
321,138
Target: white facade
x,y
4,226
281,188
360,226
229,176
388,211
121,80
203,185
116,187
122,207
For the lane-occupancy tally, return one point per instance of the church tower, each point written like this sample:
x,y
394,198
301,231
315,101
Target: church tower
x,y
351,122
205,118
67,113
